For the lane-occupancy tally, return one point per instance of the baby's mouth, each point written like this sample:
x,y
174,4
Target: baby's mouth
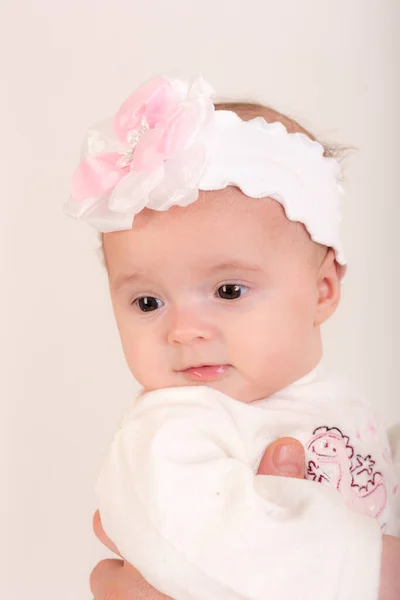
x,y
206,372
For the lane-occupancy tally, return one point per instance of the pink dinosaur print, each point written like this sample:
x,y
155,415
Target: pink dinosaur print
x,y
333,462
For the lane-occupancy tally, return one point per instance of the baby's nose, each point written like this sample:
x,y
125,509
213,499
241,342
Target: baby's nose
x,y
187,327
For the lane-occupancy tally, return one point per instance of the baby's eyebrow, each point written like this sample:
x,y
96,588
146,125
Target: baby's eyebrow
x,y
122,279
236,265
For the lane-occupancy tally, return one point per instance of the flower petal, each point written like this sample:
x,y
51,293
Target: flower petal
x,y
178,130
166,195
131,194
100,138
186,169
147,155
160,105
96,175
181,179
152,100
96,212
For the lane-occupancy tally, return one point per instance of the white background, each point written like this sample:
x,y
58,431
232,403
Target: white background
x,y
63,386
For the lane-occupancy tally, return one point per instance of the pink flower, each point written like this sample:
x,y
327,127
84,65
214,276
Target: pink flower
x,y
153,156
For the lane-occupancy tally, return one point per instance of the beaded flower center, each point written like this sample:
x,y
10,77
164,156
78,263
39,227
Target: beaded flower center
x,y
133,139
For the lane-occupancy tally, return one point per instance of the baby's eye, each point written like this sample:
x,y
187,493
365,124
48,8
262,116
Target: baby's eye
x,y
148,303
231,291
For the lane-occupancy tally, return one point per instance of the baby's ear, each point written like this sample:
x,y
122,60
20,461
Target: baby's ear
x,y
328,289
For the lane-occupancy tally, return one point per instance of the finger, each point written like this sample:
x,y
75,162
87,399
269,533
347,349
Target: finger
x,y
113,578
104,579
103,537
140,589
284,457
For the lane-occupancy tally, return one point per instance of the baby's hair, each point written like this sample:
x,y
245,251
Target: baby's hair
x,y
251,110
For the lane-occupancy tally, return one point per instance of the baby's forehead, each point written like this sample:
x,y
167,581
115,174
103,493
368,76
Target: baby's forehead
x,y
220,225
220,211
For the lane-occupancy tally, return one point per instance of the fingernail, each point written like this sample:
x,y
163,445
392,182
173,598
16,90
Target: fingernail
x,y
288,459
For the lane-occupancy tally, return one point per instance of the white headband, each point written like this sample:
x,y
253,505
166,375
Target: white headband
x,y
167,142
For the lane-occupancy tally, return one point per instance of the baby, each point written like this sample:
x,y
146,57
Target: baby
x,y
220,231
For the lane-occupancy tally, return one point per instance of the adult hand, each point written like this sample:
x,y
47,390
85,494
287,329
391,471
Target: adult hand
x,y
116,579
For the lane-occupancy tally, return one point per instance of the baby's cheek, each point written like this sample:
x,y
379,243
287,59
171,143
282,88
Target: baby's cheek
x,y
137,355
133,359
251,345
149,363
274,343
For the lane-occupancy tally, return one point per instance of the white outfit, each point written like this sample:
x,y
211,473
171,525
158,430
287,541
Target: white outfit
x,y
179,495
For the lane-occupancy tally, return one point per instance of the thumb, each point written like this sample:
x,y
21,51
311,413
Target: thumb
x,y
283,457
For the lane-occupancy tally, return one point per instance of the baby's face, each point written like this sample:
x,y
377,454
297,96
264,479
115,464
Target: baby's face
x,y
227,282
